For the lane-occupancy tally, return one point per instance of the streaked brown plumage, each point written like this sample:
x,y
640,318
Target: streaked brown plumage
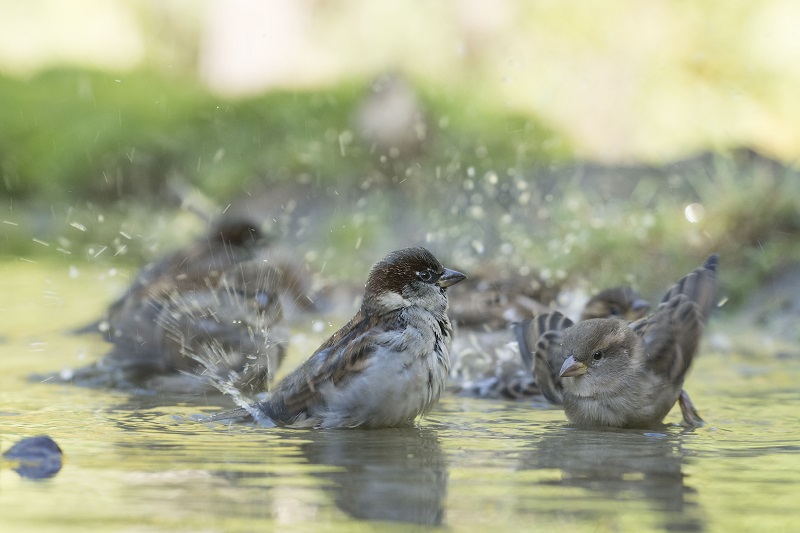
x,y
237,324
385,367
621,302
487,303
484,366
198,267
195,267
619,375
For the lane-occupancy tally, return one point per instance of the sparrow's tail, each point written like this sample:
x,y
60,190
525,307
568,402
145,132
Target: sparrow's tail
x,y
226,376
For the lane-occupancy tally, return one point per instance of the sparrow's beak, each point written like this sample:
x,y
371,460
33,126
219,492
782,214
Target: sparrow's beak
x,y
450,277
572,368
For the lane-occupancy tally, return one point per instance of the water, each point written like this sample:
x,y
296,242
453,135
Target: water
x,y
143,464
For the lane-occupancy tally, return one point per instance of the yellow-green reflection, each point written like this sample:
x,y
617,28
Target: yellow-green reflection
x,y
142,463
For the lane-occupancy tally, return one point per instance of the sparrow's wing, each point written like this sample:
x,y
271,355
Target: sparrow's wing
x,y
671,336
540,348
699,285
342,332
346,354
136,336
673,332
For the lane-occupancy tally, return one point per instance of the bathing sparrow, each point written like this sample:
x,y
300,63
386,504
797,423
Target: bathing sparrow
x,y
624,375
237,324
387,366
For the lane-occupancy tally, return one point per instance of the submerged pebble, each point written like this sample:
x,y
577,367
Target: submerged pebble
x,y
35,457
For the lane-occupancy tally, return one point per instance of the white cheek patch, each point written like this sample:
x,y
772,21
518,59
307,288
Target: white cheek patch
x,y
392,300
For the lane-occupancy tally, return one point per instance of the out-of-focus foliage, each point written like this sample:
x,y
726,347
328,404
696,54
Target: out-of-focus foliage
x,y
512,103
622,80
78,134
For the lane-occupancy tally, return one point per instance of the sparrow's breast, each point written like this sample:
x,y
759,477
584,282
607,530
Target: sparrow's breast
x,y
405,377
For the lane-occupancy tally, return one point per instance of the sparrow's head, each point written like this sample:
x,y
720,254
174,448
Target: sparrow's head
x,y
254,285
617,302
236,231
412,276
601,353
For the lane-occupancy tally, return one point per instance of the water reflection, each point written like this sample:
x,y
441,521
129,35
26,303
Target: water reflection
x,y
397,474
618,466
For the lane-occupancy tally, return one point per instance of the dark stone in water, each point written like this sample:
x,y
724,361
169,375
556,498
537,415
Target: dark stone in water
x,y
36,457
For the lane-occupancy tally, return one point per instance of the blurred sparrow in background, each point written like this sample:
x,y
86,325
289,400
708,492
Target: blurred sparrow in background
x,y
236,325
230,241
197,266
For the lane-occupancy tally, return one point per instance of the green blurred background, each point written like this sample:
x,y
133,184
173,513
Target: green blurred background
x,y
595,143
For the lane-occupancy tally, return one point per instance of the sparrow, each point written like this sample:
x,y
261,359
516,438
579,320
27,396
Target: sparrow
x,y
237,324
488,302
488,363
197,266
541,335
481,310
616,374
623,302
387,366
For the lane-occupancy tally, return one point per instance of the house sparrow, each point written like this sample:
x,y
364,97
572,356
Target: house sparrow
x,y
199,266
490,302
621,302
630,376
542,336
384,368
237,324
488,363
195,267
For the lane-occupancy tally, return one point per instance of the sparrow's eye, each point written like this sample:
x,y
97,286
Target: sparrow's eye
x,y
614,310
425,275
262,298
597,355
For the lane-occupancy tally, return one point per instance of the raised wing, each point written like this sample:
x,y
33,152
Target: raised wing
x,y
540,347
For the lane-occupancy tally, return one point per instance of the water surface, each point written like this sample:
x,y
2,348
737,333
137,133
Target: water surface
x,y
140,462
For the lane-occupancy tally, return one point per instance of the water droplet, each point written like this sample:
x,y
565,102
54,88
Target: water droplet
x,y
694,213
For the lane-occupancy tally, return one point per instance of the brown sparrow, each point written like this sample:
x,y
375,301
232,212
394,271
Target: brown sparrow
x,y
384,368
624,375
198,267
490,303
195,267
621,302
541,335
489,364
237,324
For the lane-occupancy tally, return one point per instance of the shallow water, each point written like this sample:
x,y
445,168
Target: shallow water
x,y
142,462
